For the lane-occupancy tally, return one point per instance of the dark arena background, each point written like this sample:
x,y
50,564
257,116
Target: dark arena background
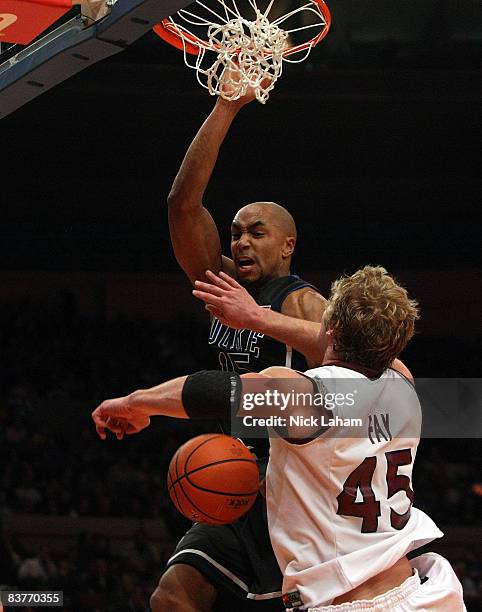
x,y
373,144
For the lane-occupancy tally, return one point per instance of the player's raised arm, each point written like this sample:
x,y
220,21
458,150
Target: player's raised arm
x,y
194,235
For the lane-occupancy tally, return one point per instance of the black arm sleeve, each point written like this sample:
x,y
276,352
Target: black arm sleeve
x,y
211,394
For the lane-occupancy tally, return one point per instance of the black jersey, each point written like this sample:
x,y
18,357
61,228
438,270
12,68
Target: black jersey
x,y
243,350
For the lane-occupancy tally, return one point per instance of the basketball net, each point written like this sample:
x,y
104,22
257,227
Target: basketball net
x,y
249,52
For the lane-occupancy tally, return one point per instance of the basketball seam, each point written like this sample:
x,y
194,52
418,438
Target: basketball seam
x,y
187,474
228,494
196,486
213,518
198,447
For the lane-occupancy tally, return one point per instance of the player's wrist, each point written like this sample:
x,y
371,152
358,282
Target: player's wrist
x,y
259,320
141,403
229,107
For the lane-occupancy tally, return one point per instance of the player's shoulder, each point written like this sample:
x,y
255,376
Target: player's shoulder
x,y
326,371
320,370
400,368
340,372
304,303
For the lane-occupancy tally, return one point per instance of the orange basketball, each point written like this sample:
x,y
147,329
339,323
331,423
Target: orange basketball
x,y
213,479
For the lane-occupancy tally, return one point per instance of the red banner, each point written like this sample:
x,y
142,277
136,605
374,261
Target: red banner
x,y
23,20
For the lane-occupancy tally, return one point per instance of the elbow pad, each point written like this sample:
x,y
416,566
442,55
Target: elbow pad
x,y
211,394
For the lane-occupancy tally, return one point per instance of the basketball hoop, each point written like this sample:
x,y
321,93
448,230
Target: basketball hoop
x,y
252,48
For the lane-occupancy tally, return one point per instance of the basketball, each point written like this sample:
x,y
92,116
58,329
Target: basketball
x,y
213,479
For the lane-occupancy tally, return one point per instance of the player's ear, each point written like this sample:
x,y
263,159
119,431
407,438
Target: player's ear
x,y
331,331
289,246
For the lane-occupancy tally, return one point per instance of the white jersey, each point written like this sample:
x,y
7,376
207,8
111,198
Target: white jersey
x,y
340,505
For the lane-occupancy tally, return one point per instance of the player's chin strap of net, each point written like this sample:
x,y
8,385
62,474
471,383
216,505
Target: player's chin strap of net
x,y
250,53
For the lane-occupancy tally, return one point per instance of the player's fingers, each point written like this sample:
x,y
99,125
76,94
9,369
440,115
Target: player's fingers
x,y
117,426
217,280
212,309
207,297
266,82
100,427
217,313
100,432
229,280
100,423
133,430
207,287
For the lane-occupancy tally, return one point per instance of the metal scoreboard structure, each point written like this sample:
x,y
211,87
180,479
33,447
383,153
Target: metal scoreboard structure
x,y
72,47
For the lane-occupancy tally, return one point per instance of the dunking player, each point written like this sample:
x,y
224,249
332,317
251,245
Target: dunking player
x,y
339,503
212,564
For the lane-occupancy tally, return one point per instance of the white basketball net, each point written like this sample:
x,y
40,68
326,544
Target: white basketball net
x,y
249,51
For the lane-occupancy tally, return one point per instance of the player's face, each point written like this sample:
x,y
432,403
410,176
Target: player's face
x,y
258,246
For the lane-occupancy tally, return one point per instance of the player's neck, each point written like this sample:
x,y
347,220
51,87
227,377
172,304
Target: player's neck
x,y
332,357
280,273
368,372
257,286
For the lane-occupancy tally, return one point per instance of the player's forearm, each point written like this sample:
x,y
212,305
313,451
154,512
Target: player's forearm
x,y
300,334
163,400
198,164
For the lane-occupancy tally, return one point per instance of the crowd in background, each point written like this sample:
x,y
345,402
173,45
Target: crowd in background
x,y
57,365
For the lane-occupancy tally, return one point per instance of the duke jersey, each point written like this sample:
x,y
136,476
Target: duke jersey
x,y
243,350
340,505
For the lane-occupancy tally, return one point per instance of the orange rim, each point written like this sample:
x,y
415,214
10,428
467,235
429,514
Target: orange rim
x,y
169,32
172,34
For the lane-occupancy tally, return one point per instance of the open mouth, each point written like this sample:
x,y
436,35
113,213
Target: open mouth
x,y
245,264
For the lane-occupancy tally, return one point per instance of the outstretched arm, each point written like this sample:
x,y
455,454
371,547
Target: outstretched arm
x,y
132,413
233,306
202,395
194,235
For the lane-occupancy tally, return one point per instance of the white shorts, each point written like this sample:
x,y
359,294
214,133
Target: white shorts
x,y
440,592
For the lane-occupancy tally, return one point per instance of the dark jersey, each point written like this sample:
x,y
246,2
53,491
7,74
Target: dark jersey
x,y
243,350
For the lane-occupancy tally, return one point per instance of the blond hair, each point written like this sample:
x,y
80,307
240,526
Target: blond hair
x,y
371,316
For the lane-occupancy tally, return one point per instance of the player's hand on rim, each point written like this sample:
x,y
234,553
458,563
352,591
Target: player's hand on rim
x,y
230,80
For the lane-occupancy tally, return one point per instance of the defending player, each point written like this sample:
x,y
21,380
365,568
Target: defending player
x,y
212,564
339,504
